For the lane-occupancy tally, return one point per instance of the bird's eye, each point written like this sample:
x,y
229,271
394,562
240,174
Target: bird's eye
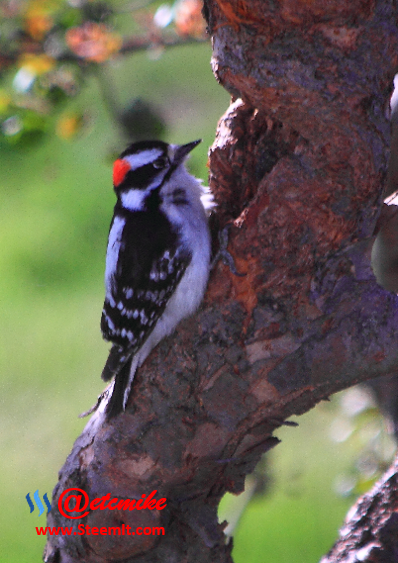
x,y
160,162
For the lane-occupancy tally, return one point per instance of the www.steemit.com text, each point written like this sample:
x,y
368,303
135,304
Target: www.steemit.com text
x,y
82,530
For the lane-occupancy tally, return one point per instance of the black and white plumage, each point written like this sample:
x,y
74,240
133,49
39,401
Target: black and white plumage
x,y
158,257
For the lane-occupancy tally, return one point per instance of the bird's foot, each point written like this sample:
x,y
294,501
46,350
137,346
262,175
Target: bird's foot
x,y
223,253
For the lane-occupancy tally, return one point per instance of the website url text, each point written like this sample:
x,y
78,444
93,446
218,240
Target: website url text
x,y
93,531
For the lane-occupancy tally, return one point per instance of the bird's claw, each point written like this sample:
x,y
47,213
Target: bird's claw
x,y
223,253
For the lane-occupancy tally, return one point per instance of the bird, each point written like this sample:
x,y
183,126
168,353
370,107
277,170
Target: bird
x,y
158,257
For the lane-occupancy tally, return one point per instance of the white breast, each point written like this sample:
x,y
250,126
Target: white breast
x,y
192,223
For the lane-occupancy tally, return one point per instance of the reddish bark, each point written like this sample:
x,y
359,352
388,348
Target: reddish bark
x,y
298,167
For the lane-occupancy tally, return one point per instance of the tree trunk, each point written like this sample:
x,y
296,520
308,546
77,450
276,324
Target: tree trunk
x,y
297,168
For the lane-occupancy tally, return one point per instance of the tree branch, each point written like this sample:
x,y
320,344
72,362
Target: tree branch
x,y
370,533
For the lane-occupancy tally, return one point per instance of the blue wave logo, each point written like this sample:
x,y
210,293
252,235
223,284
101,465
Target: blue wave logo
x,y
38,502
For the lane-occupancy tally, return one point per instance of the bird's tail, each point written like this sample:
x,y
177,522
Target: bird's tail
x,y
114,364
116,403
118,365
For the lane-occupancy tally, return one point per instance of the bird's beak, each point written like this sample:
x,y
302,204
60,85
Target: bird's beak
x,y
182,151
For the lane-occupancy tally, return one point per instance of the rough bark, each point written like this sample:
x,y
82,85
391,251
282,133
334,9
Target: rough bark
x,y
370,533
297,168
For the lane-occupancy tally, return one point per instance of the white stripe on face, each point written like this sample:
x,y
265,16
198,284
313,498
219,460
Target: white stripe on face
x,y
142,158
133,200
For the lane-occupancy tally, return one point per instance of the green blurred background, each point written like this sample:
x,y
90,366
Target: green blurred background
x,y
56,206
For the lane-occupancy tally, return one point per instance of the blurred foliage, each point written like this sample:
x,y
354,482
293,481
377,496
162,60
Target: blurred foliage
x,y
359,423
48,49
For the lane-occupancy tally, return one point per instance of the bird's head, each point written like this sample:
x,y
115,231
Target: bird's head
x,y
143,167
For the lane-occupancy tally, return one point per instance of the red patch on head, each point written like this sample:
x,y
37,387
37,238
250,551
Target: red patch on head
x,y
120,169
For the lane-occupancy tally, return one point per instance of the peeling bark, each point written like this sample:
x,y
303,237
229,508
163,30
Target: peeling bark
x,y
297,168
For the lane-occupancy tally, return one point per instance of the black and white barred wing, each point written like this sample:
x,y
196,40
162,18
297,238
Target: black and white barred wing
x,y
138,292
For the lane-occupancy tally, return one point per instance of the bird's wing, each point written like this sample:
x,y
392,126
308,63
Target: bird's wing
x,y
146,275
